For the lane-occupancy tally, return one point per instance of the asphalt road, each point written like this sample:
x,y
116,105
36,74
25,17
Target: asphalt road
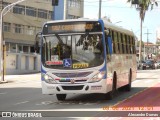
x,y
23,93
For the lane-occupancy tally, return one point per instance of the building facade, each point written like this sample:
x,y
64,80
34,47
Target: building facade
x,y
150,50
158,40
68,9
20,26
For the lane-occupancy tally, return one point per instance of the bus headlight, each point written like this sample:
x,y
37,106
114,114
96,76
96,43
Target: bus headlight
x,y
49,79
98,77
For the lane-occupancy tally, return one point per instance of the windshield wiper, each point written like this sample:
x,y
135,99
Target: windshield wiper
x,y
60,40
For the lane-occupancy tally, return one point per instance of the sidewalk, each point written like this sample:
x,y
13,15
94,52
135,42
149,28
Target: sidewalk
x,y
4,81
12,78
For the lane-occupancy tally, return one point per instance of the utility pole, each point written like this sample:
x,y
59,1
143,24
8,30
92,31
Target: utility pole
x,y
147,41
4,11
140,44
100,3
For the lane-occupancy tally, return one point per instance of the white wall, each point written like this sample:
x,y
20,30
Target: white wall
x,y
11,61
21,63
31,63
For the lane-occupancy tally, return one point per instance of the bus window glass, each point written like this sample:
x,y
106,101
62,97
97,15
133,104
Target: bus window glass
x,y
119,42
124,43
116,42
129,44
133,45
107,45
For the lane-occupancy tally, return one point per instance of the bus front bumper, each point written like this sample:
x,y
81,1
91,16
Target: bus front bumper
x,y
85,88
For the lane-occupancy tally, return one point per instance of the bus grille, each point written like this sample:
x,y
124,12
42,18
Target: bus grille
x,y
80,87
71,75
77,81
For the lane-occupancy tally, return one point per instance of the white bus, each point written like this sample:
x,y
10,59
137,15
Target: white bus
x,y
86,56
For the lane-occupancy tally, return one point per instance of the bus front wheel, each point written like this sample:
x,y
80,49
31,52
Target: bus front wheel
x,y
61,97
111,94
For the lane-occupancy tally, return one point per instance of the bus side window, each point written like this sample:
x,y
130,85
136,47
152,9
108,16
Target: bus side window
x,y
133,45
111,35
113,39
115,43
126,44
122,44
130,45
108,46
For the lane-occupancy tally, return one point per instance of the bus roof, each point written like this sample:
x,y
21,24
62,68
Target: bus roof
x,y
71,20
107,24
114,27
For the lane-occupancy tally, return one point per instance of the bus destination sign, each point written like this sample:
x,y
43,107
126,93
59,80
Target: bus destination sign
x,y
70,27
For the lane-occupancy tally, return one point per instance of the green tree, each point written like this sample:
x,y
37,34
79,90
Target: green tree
x,y
138,44
158,43
142,6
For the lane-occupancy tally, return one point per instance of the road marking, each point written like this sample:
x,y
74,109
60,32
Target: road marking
x,y
21,102
45,103
2,93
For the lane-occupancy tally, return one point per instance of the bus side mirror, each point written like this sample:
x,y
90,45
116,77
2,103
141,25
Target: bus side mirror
x,y
36,44
110,44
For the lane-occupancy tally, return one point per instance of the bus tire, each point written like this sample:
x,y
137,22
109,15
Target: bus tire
x,y
111,94
128,86
61,97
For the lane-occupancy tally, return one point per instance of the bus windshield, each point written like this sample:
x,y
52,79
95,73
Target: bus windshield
x,y
72,51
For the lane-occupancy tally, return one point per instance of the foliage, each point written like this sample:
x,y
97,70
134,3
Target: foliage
x,y
158,43
138,44
143,5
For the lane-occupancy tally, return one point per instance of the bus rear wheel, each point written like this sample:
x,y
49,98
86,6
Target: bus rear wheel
x,y
61,97
128,86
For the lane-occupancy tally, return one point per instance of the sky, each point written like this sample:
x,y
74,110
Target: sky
x,y
123,14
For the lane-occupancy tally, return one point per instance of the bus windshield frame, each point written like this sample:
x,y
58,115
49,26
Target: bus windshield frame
x,y
67,48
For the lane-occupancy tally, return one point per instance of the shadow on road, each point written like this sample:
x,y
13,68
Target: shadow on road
x,y
96,101
138,96
10,96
